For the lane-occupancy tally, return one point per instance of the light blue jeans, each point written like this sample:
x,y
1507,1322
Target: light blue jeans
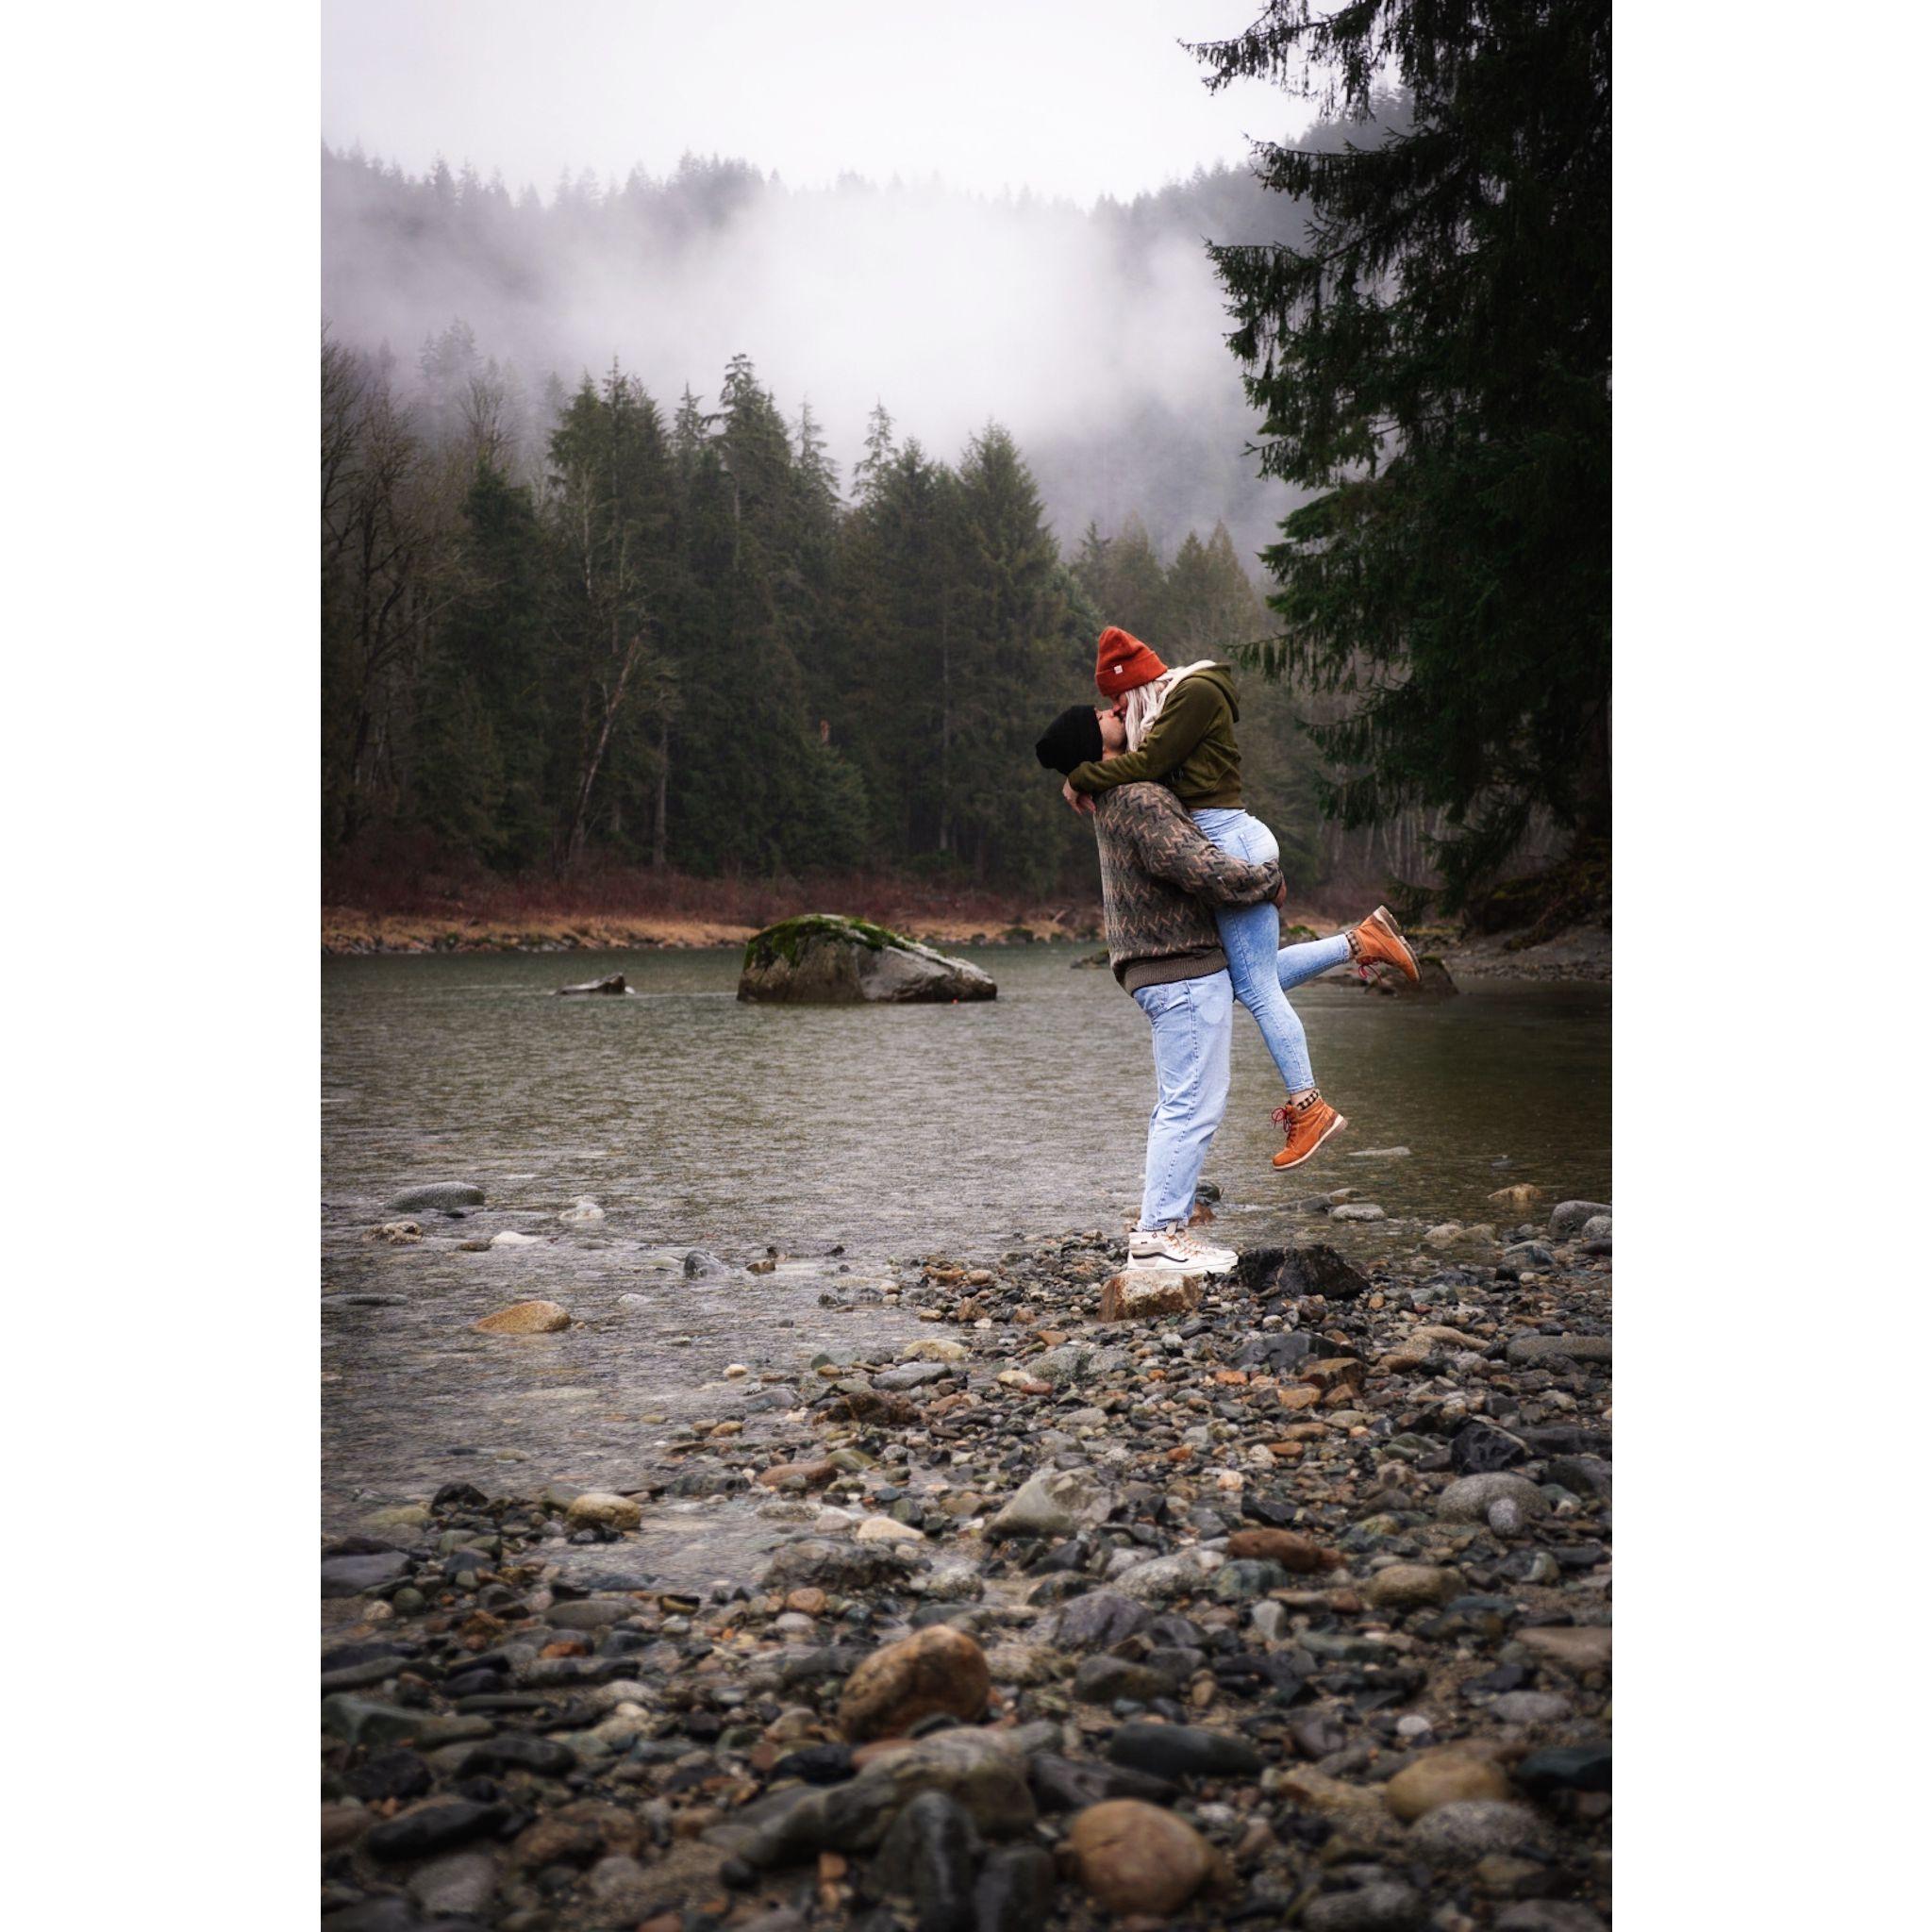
x,y
1251,937
1293,964
1192,1021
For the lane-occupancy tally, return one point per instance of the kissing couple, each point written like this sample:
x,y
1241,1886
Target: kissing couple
x,y
1193,892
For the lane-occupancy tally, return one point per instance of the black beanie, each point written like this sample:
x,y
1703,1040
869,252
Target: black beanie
x,y
1073,738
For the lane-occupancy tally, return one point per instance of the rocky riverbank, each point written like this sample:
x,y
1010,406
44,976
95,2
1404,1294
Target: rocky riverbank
x,y
1287,1607
348,932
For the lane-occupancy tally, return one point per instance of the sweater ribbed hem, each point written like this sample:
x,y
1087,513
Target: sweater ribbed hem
x,y
1135,973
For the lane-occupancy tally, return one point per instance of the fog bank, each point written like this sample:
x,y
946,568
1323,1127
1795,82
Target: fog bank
x,y
1095,337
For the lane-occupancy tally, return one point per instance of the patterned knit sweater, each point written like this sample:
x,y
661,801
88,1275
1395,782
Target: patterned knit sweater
x,y
1160,880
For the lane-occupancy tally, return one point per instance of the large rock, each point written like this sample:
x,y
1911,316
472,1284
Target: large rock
x,y
1317,1269
1139,1294
823,960
935,1670
1131,1856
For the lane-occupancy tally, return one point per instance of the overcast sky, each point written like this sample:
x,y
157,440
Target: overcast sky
x,y
1067,97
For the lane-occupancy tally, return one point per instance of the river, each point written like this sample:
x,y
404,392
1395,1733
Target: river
x,y
889,1134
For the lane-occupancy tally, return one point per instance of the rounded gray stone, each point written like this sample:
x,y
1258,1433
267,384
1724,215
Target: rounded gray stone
x,y
1470,1497
436,1194
1471,1828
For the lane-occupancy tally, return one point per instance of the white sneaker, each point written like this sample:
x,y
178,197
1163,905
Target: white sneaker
x,y
1211,1255
1172,1250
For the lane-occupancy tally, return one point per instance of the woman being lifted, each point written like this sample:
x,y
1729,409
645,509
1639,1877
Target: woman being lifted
x,y
1181,730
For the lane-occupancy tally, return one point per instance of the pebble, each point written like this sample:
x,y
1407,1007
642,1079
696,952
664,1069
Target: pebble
x,y
350,1576
1461,1832
888,1529
605,1511
1568,1218
1381,1906
525,1318
939,1670
1532,1350
1516,1200
1548,1915
459,1886
431,1827
1177,1751
514,1238
1530,1708
1131,1856
1470,1498
438,1195
1441,1777
1580,1649
931,1854
1411,1587
1300,1553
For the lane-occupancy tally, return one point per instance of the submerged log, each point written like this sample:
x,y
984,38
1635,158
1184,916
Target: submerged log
x,y
612,982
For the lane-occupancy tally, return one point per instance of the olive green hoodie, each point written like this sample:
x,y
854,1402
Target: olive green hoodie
x,y
1191,746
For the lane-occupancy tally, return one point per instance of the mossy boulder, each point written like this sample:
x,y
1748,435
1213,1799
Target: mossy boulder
x,y
822,959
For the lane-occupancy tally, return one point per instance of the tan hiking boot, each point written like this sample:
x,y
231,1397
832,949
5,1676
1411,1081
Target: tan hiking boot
x,y
1304,1124
1378,939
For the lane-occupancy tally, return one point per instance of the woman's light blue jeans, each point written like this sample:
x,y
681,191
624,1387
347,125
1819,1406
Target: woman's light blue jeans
x,y
1193,1020
1251,937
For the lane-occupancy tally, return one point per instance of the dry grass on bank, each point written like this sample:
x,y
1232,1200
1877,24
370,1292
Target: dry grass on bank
x,y
373,911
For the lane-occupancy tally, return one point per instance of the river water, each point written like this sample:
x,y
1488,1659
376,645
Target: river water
x,y
889,1133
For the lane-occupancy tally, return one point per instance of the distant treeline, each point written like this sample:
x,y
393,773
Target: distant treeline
x,y
675,641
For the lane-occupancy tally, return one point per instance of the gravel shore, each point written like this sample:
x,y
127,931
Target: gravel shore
x,y
1282,1601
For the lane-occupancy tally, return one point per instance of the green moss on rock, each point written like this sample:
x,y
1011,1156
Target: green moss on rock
x,y
786,940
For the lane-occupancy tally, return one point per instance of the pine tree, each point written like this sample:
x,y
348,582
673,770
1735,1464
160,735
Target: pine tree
x,y
610,512
1008,642
482,785
1434,360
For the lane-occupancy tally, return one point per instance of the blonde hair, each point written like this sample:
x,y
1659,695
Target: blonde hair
x,y
1145,700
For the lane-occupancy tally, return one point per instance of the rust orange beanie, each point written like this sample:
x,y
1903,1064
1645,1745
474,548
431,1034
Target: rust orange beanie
x,y
1123,662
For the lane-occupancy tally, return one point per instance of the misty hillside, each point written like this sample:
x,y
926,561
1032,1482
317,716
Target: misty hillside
x,y
1094,336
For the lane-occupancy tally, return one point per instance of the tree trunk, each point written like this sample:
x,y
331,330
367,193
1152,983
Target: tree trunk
x,y
613,702
663,788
